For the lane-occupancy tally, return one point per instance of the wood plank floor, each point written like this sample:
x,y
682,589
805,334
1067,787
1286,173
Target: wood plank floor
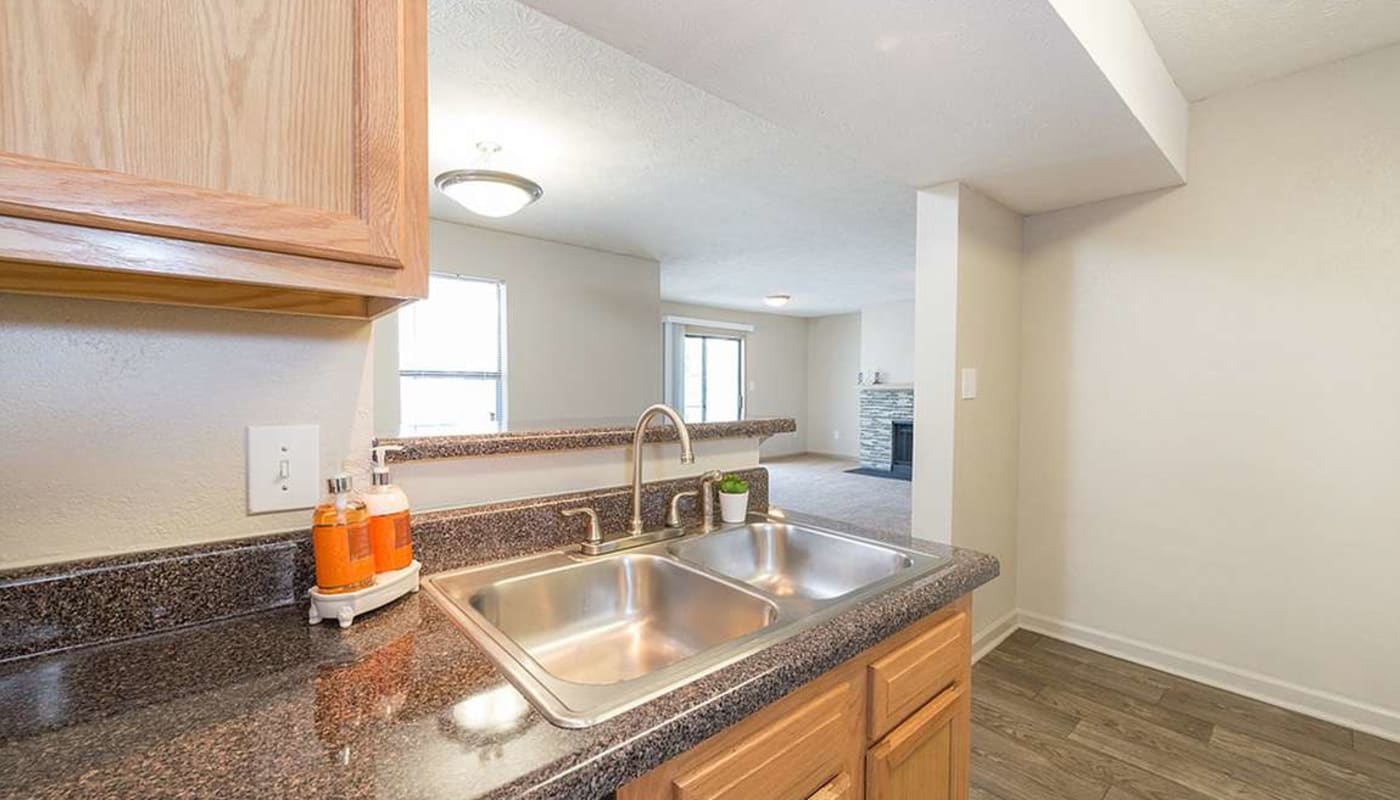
x,y
1052,721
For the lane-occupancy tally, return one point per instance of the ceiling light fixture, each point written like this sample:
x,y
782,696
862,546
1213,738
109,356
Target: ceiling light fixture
x,y
777,300
488,192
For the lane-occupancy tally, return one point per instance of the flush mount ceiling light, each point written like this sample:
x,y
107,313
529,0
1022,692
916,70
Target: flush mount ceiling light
x,y
489,192
777,300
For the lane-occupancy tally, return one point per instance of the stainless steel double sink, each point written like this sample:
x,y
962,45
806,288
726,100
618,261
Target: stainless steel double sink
x,y
588,637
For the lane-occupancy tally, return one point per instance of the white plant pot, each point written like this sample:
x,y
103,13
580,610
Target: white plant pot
x,y
733,507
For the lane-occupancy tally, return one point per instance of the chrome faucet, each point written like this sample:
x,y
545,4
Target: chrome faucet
x,y
634,528
595,545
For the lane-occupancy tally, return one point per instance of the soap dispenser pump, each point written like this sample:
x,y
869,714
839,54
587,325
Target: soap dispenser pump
x,y
389,528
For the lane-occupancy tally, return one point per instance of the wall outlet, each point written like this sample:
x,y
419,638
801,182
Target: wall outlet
x,y
284,467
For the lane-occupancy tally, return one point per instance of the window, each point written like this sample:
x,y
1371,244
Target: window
x,y
714,378
450,358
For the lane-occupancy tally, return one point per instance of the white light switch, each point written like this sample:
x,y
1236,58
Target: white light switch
x,y
969,384
284,467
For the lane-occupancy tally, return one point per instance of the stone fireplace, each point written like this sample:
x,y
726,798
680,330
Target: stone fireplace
x,y
887,427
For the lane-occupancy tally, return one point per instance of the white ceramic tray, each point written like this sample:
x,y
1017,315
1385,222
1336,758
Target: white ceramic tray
x,y
387,587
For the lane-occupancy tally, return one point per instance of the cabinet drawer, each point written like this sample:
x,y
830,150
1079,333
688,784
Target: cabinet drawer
x,y
904,679
810,750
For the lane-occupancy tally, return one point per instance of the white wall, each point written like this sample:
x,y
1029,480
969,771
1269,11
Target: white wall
x,y
966,449
1211,401
986,430
124,423
583,335
935,360
887,341
833,402
776,363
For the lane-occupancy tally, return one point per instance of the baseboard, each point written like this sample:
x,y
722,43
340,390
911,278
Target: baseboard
x,y
1327,706
994,634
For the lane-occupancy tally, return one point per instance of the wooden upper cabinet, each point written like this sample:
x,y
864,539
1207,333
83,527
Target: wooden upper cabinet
x,y
162,149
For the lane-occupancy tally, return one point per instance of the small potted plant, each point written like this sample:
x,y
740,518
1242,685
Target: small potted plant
x,y
733,498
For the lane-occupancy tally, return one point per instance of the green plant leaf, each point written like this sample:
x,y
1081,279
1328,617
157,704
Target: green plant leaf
x,y
733,484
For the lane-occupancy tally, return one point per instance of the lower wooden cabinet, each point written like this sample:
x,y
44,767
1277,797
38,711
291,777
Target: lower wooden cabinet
x,y
890,724
925,757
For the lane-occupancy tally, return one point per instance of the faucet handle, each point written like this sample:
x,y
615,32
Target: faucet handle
x,y
673,515
595,529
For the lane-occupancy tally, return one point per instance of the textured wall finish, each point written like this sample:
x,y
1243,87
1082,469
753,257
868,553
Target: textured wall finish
x,y
1000,94
1212,46
966,450
833,410
124,424
634,160
1210,384
575,318
887,342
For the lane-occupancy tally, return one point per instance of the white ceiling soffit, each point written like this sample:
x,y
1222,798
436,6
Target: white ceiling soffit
x,y
634,161
1001,94
1212,46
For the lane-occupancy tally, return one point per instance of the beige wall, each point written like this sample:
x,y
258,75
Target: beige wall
x,y
124,424
887,341
833,403
965,461
1211,402
583,337
986,429
776,363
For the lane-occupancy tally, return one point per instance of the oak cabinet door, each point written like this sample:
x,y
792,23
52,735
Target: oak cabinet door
x,y
262,127
812,750
925,757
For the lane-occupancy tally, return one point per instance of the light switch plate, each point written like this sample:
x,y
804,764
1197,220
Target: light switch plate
x,y
284,467
969,384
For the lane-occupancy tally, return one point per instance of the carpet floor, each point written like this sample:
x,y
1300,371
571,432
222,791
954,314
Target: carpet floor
x,y
821,486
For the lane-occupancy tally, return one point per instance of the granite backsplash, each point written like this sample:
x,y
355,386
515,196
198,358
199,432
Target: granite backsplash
x,y
76,603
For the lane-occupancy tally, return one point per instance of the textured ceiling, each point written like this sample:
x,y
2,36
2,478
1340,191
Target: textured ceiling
x,y
1212,46
998,93
634,161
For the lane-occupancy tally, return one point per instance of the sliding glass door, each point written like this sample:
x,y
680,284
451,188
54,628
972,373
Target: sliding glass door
x,y
714,378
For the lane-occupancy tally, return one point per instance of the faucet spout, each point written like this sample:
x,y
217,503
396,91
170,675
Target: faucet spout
x,y
638,435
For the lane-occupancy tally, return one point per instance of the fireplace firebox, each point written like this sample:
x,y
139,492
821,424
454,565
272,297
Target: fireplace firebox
x,y
901,447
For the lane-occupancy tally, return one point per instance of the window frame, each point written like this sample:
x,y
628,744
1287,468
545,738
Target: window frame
x,y
704,371
499,415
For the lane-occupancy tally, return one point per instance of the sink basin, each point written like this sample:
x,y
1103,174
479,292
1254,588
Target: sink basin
x,y
587,637
609,621
788,560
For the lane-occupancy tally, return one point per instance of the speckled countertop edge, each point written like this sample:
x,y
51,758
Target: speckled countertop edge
x,y
426,448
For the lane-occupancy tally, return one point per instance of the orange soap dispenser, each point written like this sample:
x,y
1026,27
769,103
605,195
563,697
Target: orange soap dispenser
x,y
389,531
340,540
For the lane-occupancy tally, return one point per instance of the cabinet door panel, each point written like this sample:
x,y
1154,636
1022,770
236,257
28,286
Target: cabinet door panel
x,y
926,757
792,759
260,124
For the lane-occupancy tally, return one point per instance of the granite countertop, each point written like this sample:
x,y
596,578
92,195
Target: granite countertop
x,y
541,438
403,704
